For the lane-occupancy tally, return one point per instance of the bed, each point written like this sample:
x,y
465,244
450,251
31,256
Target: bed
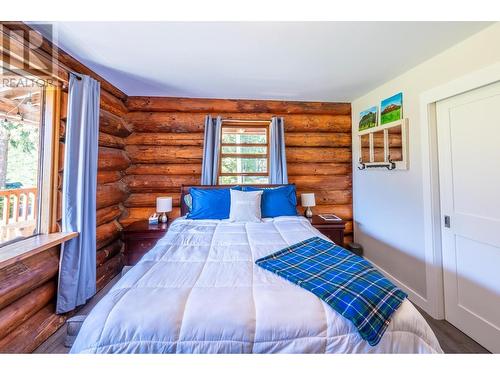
x,y
199,291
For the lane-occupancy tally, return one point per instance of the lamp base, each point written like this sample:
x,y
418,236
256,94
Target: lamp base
x,y
163,218
308,212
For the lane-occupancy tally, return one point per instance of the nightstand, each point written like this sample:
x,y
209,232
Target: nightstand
x,y
139,238
334,230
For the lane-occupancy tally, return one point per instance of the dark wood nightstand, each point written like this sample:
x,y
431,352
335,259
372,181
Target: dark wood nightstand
x,y
334,230
139,238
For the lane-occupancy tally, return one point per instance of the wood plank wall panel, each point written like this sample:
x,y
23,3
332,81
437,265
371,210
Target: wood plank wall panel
x,y
166,146
28,288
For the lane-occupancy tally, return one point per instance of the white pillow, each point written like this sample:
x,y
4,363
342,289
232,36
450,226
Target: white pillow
x,y
245,206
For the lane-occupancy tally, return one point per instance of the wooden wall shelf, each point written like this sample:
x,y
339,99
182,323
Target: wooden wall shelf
x,y
379,150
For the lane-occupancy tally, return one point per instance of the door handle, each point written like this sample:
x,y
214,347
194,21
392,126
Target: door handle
x,y
447,221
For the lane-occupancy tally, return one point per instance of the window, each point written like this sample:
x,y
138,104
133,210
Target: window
x,y
244,154
22,158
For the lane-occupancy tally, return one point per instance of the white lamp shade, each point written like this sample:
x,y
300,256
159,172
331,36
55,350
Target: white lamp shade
x,y
308,200
163,204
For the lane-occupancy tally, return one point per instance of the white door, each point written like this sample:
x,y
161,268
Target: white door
x,y
469,169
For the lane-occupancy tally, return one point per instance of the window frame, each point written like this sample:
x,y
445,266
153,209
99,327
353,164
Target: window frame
x,y
237,125
48,161
50,167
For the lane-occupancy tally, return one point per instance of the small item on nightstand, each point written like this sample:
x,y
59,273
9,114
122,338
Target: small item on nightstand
x,y
330,217
163,205
308,200
153,219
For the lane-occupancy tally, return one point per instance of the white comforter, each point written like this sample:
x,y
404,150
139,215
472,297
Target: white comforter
x,y
199,291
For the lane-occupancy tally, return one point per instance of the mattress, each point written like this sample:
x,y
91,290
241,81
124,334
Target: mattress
x,y
199,291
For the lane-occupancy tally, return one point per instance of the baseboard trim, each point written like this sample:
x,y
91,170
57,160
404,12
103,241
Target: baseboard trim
x,y
413,296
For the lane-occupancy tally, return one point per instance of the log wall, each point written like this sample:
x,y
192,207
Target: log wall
x,y
150,147
166,146
28,287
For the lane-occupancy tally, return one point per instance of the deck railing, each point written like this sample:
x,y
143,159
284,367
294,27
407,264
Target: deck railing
x,y
18,209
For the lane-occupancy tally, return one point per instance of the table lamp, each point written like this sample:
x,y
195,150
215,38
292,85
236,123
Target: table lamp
x,y
163,205
308,200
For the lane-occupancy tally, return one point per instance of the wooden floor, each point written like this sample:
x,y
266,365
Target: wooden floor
x,y
451,339
55,343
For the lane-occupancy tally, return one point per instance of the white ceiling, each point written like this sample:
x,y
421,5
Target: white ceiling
x,y
311,61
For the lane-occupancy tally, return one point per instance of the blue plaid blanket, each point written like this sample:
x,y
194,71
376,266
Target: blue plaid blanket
x,y
346,282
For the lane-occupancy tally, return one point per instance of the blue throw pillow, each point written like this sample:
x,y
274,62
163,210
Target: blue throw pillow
x,y
210,203
279,201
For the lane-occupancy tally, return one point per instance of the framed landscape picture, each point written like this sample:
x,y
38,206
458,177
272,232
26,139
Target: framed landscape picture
x,y
391,109
368,118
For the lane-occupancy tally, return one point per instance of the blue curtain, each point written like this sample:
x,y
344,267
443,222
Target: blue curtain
x,y
77,271
277,161
211,145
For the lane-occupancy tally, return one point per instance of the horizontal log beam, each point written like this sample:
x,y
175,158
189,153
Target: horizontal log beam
x,y
107,214
326,169
159,183
318,155
29,335
318,183
105,177
159,122
24,276
163,122
108,252
165,169
110,194
328,197
113,124
160,154
196,139
112,159
165,139
112,104
25,307
108,140
110,264
149,199
107,271
304,122
107,233
173,104
318,139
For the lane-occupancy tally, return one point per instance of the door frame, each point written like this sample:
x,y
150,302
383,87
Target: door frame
x,y
430,178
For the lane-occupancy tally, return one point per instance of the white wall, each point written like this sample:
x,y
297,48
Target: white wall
x,y
388,205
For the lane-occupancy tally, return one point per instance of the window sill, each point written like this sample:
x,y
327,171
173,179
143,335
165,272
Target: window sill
x,y
23,249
